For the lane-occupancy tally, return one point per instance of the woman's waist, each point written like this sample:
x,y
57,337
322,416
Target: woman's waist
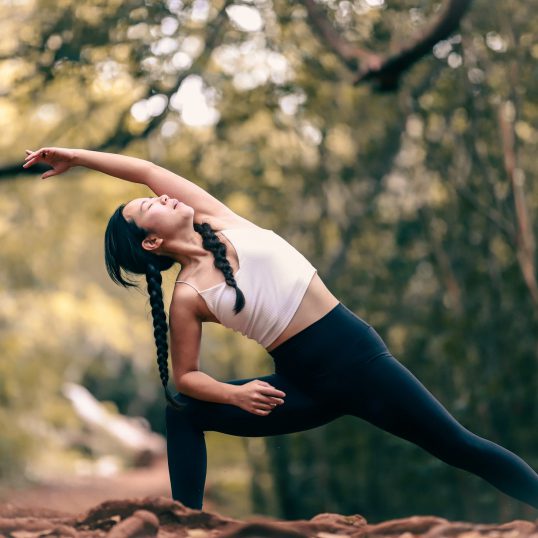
x,y
316,303
339,331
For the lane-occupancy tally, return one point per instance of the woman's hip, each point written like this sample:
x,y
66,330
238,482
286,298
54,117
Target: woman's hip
x,y
337,343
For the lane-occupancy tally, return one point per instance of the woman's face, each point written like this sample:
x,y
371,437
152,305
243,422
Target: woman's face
x,y
163,216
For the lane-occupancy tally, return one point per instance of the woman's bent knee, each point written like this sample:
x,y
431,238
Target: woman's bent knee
x,y
174,417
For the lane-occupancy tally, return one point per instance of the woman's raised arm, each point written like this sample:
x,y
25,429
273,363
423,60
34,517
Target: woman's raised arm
x,y
121,166
61,159
158,179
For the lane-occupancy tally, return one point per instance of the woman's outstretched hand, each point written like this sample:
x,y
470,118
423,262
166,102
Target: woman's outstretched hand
x,y
258,397
61,159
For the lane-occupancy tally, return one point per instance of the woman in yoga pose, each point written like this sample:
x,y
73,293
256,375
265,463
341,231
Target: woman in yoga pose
x,y
328,361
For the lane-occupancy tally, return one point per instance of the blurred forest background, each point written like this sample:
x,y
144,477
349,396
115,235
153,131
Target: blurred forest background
x,y
416,202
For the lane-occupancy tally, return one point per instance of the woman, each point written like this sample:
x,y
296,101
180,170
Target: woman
x,y
328,361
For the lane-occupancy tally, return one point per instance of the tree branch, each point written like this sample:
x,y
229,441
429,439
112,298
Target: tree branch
x,y
350,54
385,71
121,136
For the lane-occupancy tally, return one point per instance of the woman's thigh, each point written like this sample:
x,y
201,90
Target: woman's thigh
x,y
392,398
353,370
299,412
349,366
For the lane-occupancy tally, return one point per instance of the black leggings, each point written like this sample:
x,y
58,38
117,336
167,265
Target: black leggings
x,y
338,366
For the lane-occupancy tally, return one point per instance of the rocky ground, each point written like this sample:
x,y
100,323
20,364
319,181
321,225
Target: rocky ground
x,y
162,517
79,509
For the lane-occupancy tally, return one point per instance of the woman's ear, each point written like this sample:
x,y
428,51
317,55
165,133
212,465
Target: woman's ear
x,y
151,242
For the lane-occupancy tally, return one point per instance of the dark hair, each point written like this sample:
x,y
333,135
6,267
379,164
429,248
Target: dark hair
x,y
123,250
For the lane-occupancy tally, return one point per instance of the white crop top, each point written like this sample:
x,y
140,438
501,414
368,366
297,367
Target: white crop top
x,y
273,277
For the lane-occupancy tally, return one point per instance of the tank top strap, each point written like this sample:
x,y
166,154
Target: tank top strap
x,y
189,284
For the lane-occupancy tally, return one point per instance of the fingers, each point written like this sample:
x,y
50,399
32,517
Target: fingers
x,y
32,154
31,158
271,391
266,403
264,407
269,401
41,152
268,398
30,162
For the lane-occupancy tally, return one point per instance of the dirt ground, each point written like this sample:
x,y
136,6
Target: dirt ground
x,y
137,503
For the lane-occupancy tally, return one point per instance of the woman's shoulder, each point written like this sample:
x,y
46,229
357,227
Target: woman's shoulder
x,y
187,298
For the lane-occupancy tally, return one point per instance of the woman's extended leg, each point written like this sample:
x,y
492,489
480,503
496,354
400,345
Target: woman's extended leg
x,y
341,360
187,457
413,413
393,399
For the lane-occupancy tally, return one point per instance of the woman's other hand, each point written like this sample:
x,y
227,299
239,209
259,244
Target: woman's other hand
x,y
61,159
258,397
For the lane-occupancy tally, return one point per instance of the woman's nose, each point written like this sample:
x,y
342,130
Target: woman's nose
x,y
164,198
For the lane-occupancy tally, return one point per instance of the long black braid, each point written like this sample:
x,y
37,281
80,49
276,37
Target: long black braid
x,y
123,250
211,242
160,327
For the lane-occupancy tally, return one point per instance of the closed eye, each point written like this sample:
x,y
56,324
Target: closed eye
x,y
142,204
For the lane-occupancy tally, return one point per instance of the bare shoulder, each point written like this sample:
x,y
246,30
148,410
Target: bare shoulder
x,y
185,303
